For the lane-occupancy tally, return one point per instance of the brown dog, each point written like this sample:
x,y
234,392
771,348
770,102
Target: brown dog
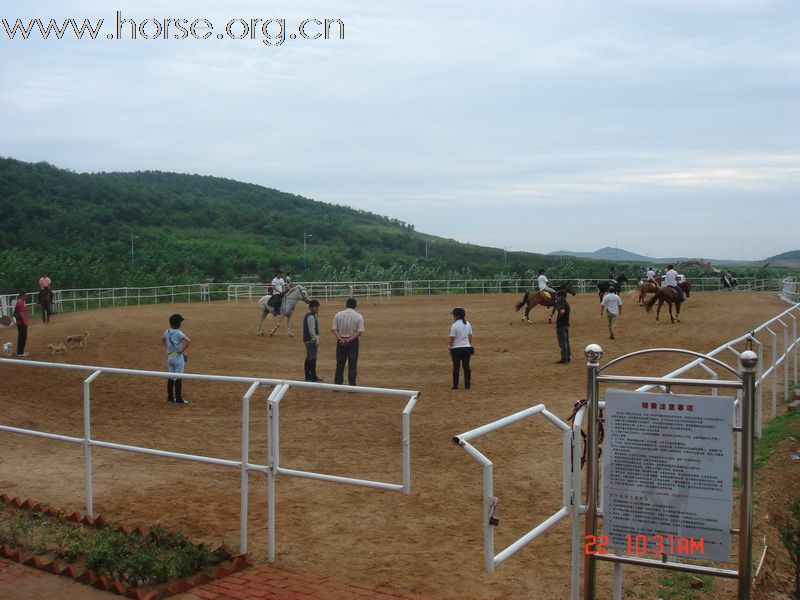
x,y
57,349
77,341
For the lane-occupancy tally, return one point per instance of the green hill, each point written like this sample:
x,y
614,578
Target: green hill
x,y
80,227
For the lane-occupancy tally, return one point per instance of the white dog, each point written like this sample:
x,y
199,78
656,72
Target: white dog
x,y
57,349
78,340
7,349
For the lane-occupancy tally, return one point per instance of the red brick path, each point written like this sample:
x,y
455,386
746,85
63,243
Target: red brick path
x,y
11,572
277,582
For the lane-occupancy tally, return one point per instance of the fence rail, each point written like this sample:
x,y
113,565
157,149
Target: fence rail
x,y
376,291
272,469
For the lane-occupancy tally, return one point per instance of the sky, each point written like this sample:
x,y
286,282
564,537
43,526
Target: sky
x,y
662,127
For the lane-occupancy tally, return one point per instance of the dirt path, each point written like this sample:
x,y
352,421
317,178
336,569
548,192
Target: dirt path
x,y
429,542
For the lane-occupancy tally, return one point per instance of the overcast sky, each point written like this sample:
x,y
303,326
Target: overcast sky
x,y
662,127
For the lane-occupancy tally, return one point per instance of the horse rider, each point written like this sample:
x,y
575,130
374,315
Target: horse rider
x,y
543,286
651,274
671,280
278,291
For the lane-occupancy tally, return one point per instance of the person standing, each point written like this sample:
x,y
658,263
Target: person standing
x,y
562,327
611,304
348,326
176,342
460,346
671,280
278,285
21,316
311,340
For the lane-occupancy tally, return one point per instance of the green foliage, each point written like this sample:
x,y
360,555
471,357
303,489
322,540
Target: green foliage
x,y
678,586
159,556
80,229
788,527
776,430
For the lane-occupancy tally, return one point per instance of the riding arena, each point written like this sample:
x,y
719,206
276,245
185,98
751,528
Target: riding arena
x,y
428,541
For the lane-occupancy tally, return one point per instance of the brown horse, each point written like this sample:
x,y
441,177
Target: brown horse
x,y
46,300
531,299
648,287
670,296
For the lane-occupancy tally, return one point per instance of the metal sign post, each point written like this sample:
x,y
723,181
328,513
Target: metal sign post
x,y
744,382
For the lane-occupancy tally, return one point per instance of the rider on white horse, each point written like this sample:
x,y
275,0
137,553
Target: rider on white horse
x,y
278,291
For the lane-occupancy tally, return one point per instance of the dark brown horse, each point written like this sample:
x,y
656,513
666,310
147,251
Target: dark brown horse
x,y
46,301
670,296
606,284
531,299
648,287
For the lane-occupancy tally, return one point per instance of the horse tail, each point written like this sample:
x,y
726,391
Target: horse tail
x,y
649,306
523,303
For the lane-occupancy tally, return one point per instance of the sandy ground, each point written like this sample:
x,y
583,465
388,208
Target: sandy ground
x,y
428,542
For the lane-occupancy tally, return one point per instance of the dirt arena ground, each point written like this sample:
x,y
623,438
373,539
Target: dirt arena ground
x,y
428,542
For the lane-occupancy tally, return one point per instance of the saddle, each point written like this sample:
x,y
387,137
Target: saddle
x,y
547,295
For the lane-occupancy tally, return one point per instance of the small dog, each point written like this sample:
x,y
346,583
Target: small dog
x,y
77,341
7,349
59,349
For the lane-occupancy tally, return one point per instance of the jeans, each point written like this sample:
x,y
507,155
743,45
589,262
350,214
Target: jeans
x,y
562,333
346,354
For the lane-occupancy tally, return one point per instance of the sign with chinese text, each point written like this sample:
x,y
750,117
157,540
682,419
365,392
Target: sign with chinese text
x,y
668,472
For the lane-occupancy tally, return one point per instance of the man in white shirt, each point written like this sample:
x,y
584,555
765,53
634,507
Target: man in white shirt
x,y
651,274
543,286
671,280
348,325
612,305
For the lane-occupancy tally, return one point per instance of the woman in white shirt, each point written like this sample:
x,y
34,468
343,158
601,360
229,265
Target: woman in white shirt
x,y
460,346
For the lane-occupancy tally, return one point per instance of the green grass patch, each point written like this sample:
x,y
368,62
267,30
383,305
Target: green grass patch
x,y
678,586
774,432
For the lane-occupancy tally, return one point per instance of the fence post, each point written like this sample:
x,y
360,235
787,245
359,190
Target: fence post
x,y
244,498
748,361
593,354
87,436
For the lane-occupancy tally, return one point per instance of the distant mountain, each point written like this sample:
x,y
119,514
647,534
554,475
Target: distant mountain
x,y
787,259
613,254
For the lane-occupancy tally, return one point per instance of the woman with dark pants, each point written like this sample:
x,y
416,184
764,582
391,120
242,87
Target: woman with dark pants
x,y
21,315
460,346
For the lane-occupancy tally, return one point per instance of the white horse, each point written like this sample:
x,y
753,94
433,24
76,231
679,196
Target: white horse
x,y
291,298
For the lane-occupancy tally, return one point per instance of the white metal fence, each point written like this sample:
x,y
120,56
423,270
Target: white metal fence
x,y
374,291
773,367
272,469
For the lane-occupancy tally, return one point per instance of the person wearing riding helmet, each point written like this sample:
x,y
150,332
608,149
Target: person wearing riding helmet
x,y
671,280
278,291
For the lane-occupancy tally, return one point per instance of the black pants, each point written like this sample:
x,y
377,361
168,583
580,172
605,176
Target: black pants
x,y
22,337
346,354
174,389
461,357
562,333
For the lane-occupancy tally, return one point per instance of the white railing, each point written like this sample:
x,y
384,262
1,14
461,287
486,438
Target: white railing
x,y
791,290
490,501
272,469
374,291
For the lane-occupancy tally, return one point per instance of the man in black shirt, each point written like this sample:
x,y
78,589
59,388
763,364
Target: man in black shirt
x,y
562,327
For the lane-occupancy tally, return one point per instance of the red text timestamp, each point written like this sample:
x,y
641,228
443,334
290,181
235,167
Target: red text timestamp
x,y
644,544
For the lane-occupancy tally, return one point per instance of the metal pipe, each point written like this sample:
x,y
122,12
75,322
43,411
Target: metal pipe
x,y
576,503
379,485
245,483
593,355
87,447
723,383
531,535
748,362
499,423
674,566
